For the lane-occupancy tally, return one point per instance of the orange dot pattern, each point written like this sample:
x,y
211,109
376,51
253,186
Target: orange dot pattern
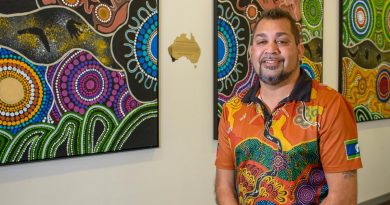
x,y
24,110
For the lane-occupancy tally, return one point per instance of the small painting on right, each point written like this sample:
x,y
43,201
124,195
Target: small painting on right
x,y
364,75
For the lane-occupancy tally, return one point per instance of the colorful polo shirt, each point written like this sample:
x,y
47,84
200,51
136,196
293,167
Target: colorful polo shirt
x,y
281,157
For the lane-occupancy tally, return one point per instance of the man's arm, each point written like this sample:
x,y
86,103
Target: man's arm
x,y
342,188
224,187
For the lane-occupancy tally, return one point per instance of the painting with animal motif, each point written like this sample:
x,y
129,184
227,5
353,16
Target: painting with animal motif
x,y
364,77
77,78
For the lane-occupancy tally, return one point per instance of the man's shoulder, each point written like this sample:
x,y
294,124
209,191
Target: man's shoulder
x,y
325,93
324,90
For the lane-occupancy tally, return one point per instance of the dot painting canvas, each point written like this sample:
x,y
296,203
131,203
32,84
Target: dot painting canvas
x,y
233,24
77,78
364,77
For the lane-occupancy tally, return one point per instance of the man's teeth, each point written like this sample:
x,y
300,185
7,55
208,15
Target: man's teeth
x,y
271,61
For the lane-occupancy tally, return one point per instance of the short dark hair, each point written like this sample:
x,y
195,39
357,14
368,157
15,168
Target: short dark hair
x,y
275,14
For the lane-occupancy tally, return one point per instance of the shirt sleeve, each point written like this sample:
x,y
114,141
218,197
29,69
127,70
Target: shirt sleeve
x,y
224,159
338,140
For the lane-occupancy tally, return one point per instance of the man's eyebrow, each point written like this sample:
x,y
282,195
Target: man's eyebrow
x,y
279,34
262,35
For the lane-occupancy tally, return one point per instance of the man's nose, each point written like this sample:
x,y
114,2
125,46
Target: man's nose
x,y
272,48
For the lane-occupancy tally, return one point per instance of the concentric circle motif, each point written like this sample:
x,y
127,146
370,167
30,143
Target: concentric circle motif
x,y
103,13
380,41
279,161
312,12
24,95
124,103
361,18
362,86
90,84
227,49
251,12
82,82
71,3
386,20
317,177
383,85
146,45
305,194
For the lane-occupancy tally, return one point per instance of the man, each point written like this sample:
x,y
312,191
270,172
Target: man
x,y
288,139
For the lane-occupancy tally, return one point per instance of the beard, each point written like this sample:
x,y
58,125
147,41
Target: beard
x,y
274,79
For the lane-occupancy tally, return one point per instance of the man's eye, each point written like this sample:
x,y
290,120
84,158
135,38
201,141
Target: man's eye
x,y
281,42
261,42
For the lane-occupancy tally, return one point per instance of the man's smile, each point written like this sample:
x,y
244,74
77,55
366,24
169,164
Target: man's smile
x,y
271,63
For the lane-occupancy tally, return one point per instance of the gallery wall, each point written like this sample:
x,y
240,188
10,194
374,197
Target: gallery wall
x,y
181,170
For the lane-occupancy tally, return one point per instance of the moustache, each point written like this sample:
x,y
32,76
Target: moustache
x,y
272,57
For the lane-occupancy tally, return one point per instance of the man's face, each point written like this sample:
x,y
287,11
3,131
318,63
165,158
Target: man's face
x,y
274,53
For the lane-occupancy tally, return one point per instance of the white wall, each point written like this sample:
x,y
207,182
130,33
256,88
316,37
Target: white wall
x,y
181,171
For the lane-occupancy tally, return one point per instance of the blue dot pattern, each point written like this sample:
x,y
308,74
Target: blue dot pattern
x,y
227,48
147,46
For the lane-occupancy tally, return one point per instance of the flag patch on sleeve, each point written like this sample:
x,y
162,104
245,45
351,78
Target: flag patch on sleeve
x,y
352,149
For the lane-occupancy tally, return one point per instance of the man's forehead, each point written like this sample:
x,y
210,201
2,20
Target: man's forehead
x,y
271,26
277,34
274,21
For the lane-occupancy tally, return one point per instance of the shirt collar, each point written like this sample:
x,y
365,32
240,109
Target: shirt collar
x,y
300,92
